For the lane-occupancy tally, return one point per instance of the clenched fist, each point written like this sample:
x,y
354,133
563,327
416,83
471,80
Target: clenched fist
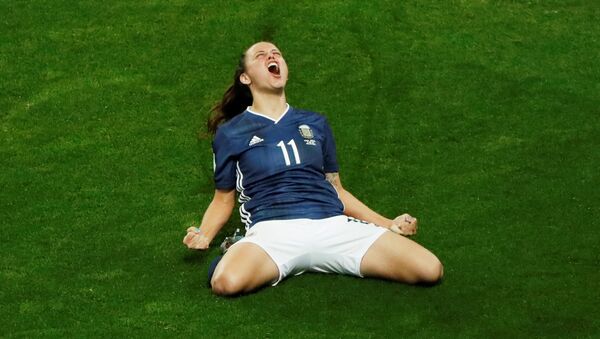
x,y
195,239
404,225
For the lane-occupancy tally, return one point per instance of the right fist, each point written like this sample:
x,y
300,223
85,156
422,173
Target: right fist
x,y
195,239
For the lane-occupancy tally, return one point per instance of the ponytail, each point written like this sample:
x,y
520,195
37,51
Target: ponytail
x,y
235,101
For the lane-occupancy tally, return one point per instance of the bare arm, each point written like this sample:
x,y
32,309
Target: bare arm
x,y
215,217
354,207
404,224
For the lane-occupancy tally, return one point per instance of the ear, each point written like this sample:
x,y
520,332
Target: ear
x,y
245,79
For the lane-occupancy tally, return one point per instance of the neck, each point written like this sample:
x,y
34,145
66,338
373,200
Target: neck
x,y
270,104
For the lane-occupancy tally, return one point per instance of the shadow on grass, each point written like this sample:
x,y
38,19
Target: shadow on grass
x,y
196,257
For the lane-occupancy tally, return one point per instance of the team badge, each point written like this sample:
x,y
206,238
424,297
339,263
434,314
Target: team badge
x,y
307,134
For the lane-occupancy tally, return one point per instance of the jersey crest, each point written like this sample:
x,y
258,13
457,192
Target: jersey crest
x,y
307,134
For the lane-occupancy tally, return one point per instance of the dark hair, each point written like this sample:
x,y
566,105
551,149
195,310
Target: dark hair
x,y
235,100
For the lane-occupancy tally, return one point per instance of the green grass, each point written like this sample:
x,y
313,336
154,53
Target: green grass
x,y
482,118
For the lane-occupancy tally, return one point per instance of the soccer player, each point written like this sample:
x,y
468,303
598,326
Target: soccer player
x,y
298,216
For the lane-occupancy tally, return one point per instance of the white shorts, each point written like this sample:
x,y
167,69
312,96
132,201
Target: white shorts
x,y
331,245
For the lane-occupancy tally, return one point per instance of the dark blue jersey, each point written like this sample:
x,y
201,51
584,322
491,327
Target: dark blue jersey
x,y
278,167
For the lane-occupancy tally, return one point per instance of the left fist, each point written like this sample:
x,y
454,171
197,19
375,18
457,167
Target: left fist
x,y
404,225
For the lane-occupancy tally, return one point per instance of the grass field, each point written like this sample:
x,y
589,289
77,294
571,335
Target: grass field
x,y
481,118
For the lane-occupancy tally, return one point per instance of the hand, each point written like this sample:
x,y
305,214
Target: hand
x,y
195,239
404,225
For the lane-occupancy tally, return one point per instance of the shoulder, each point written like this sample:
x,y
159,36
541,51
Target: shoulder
x,y
237,127
310,116
307,113
232,125
231,131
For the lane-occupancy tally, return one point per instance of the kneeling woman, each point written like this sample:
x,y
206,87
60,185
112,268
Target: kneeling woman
x,y
282,161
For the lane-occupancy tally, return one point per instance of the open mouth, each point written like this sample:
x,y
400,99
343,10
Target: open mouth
x,y
273,68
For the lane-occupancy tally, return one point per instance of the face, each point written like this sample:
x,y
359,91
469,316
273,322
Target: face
x,y
266,69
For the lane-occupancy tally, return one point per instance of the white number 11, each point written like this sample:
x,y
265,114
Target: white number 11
x,y
286,156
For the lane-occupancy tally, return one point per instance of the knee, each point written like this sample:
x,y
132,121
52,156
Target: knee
x,y
226,284
432,272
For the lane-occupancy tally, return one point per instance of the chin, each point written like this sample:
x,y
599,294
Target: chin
x,y
279,84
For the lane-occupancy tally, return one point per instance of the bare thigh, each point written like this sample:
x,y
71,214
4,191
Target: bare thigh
x,y
244,268
395,257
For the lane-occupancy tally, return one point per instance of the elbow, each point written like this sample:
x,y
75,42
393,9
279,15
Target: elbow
x,y
342,193
343,196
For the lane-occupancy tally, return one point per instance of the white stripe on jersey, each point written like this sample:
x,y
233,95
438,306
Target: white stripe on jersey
x,y
214,162
243,198
244,215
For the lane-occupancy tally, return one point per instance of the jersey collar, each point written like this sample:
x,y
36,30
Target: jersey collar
x,y
287,108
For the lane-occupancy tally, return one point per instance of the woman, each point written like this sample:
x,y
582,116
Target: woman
x,y
298,217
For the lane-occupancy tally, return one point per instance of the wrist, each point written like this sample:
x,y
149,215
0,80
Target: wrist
x,y
388,223
208,235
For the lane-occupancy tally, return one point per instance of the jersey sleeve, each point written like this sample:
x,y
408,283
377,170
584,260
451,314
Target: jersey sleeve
x,y
223,162
330,164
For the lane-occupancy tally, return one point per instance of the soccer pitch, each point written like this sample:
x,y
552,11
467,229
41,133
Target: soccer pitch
x,y
481,118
